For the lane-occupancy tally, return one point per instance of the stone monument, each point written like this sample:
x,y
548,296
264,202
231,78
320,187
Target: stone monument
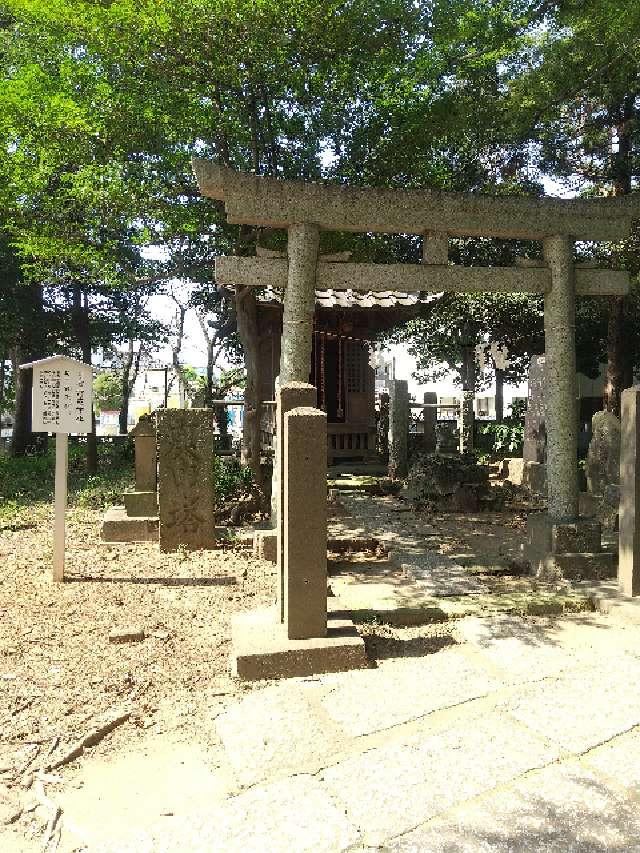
x,y
185,479
629,541
137,520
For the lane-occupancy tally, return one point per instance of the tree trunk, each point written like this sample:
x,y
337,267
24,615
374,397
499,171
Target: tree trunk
x,y
468,396
82,332
247,314
29,348
499,395
619,356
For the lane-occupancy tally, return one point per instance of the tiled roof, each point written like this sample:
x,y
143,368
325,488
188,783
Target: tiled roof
x,y
353,298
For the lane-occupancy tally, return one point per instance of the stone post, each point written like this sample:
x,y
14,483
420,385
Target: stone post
x,y
305,523
293,395
398,427
435,248
146,456
629,542
299,303
561,386
143,500
430,419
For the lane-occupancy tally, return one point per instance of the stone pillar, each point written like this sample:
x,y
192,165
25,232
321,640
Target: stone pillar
x,y
142,502
398,427
305,523
299,303
465,422
435,248
561,385
293,395
185,478
534,447
629,541
430,418
146,456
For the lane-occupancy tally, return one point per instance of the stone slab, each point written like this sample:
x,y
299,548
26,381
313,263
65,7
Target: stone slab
x,y
279,730
419,687
582,710
141,504
265,545
262,650
619,759
293,814
598,566
117,526
402,784
557,809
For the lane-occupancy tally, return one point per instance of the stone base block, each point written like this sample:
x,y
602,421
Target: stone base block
x,y
261,649
573,551
141,504
583,537
534,478
265,545
117,526
512,469
577,567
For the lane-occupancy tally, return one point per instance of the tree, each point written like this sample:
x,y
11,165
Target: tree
x,y
577,97
107,392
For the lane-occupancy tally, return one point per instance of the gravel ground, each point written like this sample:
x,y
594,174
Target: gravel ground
x,y
62,677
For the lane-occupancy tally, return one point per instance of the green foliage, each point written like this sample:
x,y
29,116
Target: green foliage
x,y
508,436
230,478
107,392
28,482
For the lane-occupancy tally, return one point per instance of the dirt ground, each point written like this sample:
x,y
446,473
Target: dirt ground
x,y
64,683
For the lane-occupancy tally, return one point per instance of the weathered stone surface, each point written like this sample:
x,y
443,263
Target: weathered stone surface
x,y
419,686
267,201
117,526
282,729
629,566
535,431
513,470
293,814
398,427
534,478
185,483
261,648
554,810
619,759
292,395
130,634
141,504
144,434
561,413
581,537
430,419
438,478
603,457
265,545
305,523
409,278
402,784
299,302
584,708
576,567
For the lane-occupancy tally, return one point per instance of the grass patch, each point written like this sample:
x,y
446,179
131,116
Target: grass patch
x,y
28,482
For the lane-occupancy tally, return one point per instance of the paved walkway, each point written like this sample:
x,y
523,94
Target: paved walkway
x,y
517,735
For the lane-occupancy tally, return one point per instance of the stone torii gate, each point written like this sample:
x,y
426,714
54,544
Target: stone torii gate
x,y
304,209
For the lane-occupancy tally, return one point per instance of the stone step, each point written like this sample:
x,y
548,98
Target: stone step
x,y
117,526
587,566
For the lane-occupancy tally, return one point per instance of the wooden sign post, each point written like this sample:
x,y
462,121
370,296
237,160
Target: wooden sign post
x,y
61,403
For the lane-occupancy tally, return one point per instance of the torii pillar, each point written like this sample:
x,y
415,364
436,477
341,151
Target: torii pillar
x,y
560,543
